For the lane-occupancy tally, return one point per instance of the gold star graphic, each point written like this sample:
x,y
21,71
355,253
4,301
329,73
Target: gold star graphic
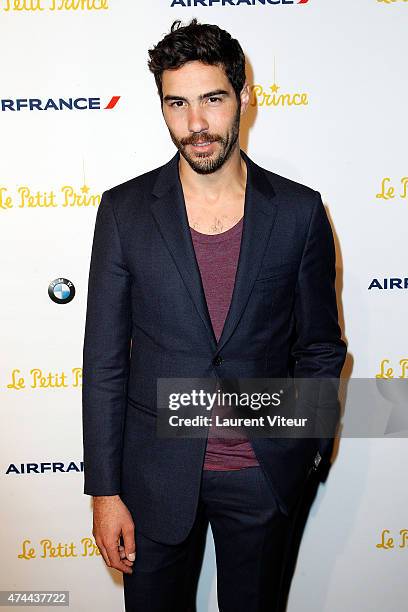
x,y
85,189
274,87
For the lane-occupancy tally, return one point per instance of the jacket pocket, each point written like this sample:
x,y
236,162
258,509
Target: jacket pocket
x,y
141,407
279,271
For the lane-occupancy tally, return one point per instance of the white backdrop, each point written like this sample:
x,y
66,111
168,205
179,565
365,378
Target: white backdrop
x,y
348,59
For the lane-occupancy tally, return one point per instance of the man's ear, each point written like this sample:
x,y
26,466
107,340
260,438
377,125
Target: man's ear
x,y
244,97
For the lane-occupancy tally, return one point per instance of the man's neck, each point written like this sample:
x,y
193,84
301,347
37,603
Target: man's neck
x,y
218,186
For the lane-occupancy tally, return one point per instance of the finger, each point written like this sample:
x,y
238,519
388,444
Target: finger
x,y
122,555
129,543
103,552
113,554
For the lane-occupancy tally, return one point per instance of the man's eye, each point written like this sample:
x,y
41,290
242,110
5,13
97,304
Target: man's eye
x,y
179,103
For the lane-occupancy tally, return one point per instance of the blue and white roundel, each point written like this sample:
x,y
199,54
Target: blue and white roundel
x,y
61,290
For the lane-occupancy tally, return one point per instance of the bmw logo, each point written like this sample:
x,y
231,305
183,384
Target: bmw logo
x,y
61,290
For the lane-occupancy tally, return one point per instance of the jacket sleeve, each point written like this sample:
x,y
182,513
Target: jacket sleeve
x,y
106,356
318,350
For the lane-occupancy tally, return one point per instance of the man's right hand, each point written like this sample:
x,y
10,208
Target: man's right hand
x,y
111,519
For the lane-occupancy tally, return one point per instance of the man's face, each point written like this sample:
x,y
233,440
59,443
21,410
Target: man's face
x,y
200,106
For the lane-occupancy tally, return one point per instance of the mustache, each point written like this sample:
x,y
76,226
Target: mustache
x,y
200,140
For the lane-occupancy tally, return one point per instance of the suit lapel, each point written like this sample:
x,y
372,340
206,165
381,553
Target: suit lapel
x,y
169,211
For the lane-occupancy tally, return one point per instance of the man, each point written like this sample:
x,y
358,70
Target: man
x,y
206,267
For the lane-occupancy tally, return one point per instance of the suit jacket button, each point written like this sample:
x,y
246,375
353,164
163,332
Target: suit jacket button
x,y
217,360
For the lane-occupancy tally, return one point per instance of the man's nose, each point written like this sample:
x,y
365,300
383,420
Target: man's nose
x,y
196,120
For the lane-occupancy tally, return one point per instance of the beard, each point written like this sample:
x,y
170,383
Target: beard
x,y
204,162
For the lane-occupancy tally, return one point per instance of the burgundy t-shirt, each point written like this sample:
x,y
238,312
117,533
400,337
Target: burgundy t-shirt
x,y
217,257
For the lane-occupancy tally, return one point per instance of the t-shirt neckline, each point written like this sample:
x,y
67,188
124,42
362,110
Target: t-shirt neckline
x,y
220,237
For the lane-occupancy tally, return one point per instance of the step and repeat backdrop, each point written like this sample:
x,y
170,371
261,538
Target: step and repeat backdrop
x,y
79,113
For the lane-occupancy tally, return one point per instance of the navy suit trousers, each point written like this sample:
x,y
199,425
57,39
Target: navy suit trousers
x,y
251,538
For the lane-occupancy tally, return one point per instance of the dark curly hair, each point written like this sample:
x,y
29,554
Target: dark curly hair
x,y
198,41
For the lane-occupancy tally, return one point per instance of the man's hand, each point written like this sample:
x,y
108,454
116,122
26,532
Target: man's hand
x,y
111,519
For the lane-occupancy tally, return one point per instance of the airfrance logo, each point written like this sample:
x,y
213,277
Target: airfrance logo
x,y
45,466
389,283
186,3
57,104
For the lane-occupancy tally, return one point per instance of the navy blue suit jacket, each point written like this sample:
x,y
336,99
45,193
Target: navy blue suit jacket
x,y
147,318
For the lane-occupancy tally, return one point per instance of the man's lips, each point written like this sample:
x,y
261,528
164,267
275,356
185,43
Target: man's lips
x,y
202,145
